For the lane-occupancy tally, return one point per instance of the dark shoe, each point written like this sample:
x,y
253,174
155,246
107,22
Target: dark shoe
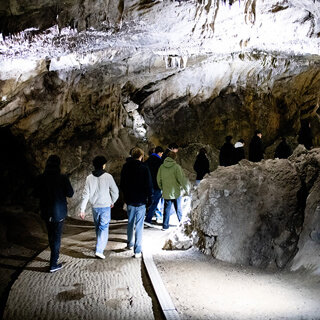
x,y
56,268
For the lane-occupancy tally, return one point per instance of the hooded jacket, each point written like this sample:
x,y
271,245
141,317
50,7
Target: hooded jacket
x,y
100,190
171,179
52,188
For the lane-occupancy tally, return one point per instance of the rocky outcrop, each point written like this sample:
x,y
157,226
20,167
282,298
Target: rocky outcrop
x,y
261,214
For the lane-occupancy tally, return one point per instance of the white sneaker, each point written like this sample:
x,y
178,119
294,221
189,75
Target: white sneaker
x,y
149,224
100,255
137,255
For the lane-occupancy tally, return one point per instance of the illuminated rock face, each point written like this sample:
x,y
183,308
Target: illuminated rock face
x,y
261,214
102,76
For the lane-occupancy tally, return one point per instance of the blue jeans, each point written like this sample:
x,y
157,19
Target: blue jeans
x,y
101,218
156,197
54,236
167,210
135,220
159,209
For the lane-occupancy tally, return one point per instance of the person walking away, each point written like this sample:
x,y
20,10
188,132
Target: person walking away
x,y
256,150
171,180
154,162
305,135
136,185
283,150
227,156
201,165
101,192
172,147
239,148
52,188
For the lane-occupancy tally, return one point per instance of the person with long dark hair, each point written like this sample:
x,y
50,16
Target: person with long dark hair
x,y
52,188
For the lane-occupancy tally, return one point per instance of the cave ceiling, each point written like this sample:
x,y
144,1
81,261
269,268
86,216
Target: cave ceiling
x,y
75,68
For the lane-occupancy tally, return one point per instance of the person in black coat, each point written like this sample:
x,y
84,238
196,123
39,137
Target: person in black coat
x,y
305,135
52,188
256,150
283,150
227,156
201,165
137,188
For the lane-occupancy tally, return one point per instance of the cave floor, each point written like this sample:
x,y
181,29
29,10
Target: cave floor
x,y
119,288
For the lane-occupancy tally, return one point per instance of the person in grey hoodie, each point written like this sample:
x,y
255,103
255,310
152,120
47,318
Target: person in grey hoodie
x,y
102,192
171,180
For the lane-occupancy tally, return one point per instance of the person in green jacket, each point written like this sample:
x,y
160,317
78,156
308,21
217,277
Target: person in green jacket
x,y
171,180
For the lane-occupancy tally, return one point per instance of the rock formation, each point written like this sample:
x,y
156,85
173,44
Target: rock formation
x,y
261,214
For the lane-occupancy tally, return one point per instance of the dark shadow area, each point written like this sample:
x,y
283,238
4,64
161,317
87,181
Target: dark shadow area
x,y
157,311
22,237
117,240
16,174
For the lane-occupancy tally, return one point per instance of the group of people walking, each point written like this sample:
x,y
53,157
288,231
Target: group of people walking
x,y
144,186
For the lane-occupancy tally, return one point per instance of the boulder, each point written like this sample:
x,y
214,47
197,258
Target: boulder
x,y
264,214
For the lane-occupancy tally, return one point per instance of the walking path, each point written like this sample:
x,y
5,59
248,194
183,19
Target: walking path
x,y
86,287
117,288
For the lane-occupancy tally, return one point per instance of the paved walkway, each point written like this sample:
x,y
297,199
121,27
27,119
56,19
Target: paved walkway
x,y
86,287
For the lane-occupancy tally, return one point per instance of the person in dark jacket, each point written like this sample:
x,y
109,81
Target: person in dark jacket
x,y
239,148
227,156
172,147
201,165
305,135
154,162
283,150
136,185
256,150
52,188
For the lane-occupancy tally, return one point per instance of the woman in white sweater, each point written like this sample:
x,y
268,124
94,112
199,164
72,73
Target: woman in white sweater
x,y
102,192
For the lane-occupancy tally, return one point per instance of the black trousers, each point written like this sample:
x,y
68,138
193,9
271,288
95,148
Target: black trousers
x,y
54,235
